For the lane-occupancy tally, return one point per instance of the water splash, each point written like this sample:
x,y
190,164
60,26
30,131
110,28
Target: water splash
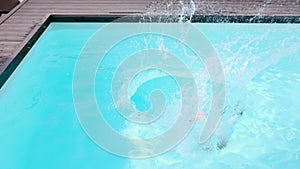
x,y
240,72
172,11
187,11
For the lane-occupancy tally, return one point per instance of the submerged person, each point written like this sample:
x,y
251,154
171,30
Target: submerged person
x,y
224,130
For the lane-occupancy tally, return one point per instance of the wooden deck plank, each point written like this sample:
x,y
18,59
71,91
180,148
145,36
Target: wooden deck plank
x,y
90,1
82,6
12,39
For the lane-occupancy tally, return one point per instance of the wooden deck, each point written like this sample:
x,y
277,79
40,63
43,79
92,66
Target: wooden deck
x,y
16,28
232,7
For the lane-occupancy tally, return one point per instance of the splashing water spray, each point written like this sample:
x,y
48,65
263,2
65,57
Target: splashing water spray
x,y
139,61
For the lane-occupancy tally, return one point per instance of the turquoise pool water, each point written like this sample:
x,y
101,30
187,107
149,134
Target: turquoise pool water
x,y
39,127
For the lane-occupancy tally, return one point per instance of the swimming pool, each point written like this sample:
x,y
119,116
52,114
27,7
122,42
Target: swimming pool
x,y
39,127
